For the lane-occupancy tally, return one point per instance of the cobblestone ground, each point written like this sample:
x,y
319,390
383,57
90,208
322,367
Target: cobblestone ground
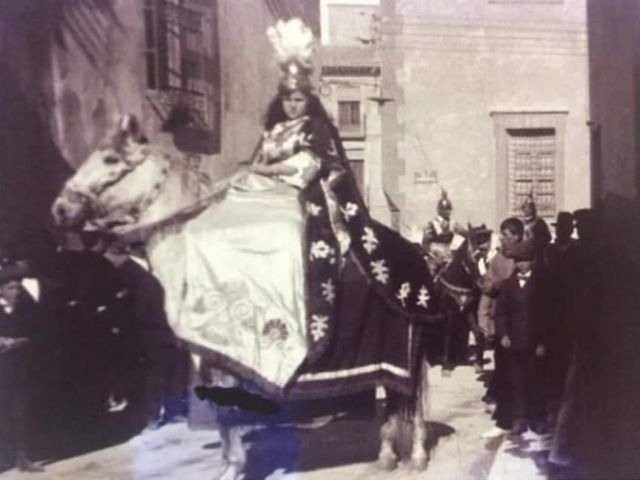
x,y
344,449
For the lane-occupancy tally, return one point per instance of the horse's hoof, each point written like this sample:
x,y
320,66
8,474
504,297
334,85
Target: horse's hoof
x,y
387,464
232,471
419,464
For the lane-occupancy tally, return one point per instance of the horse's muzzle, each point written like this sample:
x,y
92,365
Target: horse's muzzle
x,y
69,211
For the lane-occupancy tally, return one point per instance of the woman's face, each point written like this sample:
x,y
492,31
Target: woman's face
x,y
294,104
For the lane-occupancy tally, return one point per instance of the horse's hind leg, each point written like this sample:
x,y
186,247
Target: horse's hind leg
x,y
419,455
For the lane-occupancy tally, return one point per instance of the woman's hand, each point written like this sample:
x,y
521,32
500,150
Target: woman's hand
x,y
284,170
273,170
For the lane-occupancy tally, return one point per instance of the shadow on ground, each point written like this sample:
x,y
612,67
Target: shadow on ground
x,y
342,442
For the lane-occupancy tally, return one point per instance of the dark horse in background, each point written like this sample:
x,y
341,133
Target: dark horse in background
x,y
457,281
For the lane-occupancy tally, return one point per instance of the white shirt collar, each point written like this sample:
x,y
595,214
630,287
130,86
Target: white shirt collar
x,y
5,306
32,286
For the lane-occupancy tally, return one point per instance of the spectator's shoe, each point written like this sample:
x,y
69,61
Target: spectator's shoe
x,y
495,432
519,427
490,408
153,425
25,465
179,418
532,435
115,406
540,444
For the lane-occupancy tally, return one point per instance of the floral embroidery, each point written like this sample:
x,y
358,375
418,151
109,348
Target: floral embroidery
x,y
212,302
319,326
313,209
329,291
423,297
350,210
275,329
242,311
319,249
369,240
403,293
380,270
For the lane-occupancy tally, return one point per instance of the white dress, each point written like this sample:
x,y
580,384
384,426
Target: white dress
x,y
244,303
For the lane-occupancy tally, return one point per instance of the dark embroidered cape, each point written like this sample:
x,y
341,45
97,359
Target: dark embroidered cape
x,y
394,268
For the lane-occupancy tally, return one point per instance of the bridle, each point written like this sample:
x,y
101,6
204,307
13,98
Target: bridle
x,y
91,199
455,291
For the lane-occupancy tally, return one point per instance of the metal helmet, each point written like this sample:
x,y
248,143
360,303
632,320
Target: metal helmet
x,y
444,204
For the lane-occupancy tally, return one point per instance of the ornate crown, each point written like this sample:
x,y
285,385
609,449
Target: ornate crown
x,y
294,46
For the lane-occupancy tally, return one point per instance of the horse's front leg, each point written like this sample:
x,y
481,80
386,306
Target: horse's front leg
x,y
234,456
387,458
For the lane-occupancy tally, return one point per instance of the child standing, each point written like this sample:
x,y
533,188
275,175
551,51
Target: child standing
x,y
521,327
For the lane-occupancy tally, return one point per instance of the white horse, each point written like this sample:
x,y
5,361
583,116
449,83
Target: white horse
x,y
138,191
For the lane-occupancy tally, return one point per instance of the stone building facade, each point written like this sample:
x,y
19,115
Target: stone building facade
x,y
488,100
201,68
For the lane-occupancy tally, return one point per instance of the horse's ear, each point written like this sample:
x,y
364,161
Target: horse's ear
x,y
128,130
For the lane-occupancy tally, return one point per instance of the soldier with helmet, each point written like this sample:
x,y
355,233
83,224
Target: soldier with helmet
x,y
439,233
535,228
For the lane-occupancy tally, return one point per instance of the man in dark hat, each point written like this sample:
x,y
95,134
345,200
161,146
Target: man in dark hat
x,y
561,264
521,326
18,332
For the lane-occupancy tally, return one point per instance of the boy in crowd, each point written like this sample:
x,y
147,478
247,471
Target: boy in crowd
x,y
500,268
17,363
521,326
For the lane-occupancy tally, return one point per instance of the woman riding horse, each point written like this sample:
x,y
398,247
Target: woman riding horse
x,y
258,283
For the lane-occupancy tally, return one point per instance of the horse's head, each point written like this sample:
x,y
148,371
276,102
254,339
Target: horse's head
x,y
116,183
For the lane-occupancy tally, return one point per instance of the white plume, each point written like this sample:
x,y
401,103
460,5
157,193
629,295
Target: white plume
x,y
292,40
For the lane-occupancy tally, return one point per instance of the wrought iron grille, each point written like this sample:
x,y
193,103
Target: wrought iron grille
x,y
182,57
532,169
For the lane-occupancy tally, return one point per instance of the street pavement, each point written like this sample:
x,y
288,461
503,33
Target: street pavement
x,y
342,449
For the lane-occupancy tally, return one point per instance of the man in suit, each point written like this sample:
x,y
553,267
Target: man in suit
x,y
499,270
166,366
562,266
18,347
521,325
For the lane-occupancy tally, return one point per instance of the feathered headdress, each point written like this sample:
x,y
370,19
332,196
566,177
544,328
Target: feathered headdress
x,y
294,46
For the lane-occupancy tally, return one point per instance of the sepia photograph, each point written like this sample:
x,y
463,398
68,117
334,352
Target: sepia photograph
x,y
320,239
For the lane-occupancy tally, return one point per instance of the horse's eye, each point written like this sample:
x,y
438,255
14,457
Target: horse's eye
x,y
111,160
